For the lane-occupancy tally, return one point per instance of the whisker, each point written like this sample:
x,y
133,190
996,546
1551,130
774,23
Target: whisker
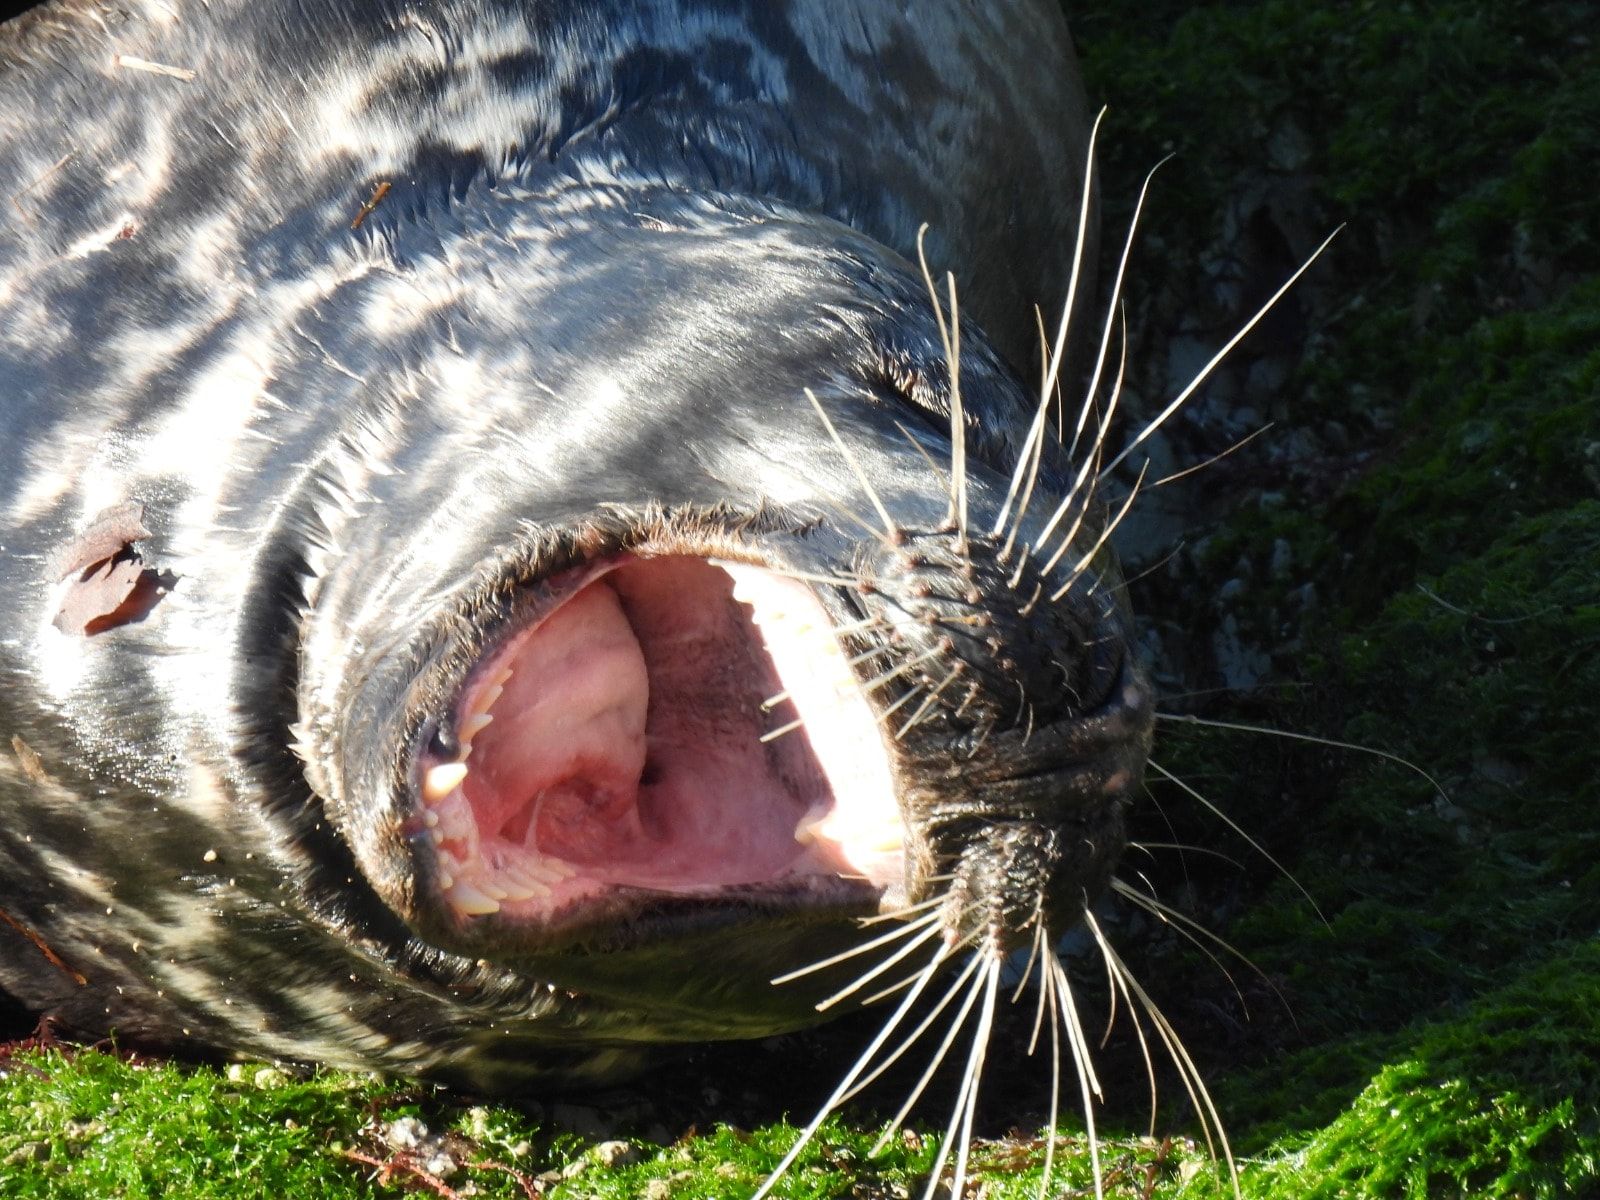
x,y
1113,972
883,717
1187,1071
1099,542
855,1070
933,695
1154,567
1053,366
911,1038
958,442
1084,483
909,664
856,660
1047,986
1033,953
844,510
1190,928
967,1098
974,990
1027,459
958,420
1187,848
889,527
1114,303
1335,743
863,948
1205,371
774,734
897,914
926,457
1201,466
1088,1085
1234,825
932,931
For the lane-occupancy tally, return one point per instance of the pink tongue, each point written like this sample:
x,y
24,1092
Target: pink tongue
x,y
569,729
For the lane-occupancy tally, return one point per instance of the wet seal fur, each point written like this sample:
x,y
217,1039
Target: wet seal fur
x,y
413,346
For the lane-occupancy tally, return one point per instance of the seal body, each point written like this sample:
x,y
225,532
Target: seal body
x,y
443,635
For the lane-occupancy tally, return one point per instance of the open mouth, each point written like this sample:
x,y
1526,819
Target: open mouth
x,y
672,725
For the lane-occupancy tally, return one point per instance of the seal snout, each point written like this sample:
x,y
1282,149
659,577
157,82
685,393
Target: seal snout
x,y
1028,729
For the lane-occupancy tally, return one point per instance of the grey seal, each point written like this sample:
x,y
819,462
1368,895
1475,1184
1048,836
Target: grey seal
x,y
503,554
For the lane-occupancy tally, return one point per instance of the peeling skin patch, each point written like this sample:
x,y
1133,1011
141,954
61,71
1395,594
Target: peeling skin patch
x,y
112,585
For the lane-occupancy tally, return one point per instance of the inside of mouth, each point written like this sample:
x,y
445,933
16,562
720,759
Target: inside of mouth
x,y
674,725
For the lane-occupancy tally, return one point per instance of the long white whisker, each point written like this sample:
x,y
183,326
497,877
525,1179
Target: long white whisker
x,y
1099,542
881,940
1047,992
1189,929
1114,972
979,1058
1116,296
1089,470
1234,825
900,913
1215,458
932,931
889,526
1088,1085
1053,368
1205,371
860,1065
911,1038
958,441
1335,743
1033,954
974,990
958,420
969,1085
1187,1070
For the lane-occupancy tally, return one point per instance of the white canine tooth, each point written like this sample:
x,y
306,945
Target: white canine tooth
x,y
518,889
443,779
805,830
468,899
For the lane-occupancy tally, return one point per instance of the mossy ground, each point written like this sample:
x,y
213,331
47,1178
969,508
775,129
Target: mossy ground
x,y
1411,558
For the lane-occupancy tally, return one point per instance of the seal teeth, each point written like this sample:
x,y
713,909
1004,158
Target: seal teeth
x,y
516,888
561,868
471,727
805,831
441,780
466,898
485,700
